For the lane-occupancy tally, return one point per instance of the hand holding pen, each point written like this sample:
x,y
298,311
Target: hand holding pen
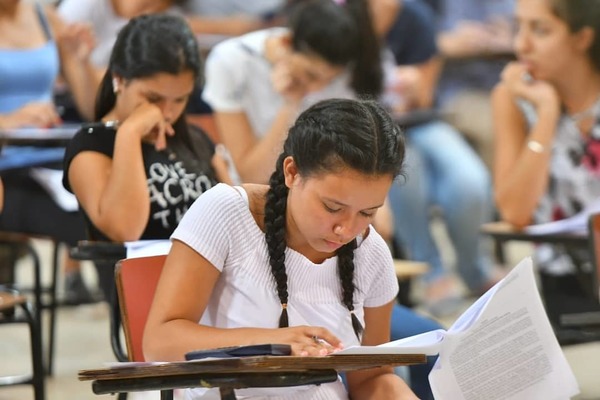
x,y
307,340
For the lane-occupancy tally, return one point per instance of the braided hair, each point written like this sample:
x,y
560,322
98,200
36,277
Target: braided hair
x,y
328,137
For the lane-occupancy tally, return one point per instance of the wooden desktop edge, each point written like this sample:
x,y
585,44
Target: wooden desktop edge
x,y
504,231
272,364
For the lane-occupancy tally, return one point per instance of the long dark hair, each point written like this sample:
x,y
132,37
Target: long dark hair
x,y
329,136
342,33
146,46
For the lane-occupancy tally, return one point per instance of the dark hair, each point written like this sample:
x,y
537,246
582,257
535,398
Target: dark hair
x,y
330,136
146,46
578,14
342,34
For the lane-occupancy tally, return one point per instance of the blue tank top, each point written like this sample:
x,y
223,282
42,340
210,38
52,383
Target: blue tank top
x,y
28,75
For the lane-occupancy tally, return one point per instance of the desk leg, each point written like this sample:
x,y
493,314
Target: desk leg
x,y
227,393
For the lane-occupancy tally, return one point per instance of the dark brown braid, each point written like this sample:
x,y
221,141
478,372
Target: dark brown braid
x,y
275,210
346,272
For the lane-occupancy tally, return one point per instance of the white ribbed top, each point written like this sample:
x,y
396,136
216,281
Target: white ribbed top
x,y
220,226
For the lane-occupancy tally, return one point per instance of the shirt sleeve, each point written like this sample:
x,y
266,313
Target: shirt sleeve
x,y
225,77
100,140
378,266
76,10
206,226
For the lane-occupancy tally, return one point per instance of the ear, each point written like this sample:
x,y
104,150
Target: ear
x,y
585,38
290,171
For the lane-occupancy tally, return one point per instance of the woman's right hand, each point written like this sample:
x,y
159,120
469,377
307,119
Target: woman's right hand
x,y
148,121
307,340
35,114
520,83
287,83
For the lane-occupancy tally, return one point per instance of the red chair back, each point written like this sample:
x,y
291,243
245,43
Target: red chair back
x,y
136,280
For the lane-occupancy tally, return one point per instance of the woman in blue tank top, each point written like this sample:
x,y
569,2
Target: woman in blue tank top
x,y
31,58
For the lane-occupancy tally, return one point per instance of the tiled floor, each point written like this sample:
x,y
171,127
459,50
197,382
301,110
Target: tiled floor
x,y
83,343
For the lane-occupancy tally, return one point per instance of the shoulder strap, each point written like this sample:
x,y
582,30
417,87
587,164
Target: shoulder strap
x,y
43,20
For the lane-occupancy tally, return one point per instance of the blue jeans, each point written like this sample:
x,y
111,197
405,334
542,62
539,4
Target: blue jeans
x,y
443,170
406,323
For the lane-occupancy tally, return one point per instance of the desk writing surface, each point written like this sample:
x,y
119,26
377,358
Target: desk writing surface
x,y
504,231
39,136
273,364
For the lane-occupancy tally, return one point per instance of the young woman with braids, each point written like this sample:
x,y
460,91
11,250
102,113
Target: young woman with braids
x,y
293,260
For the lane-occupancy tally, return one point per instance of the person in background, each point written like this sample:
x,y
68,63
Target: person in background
x,y
300,251
107,17
35,47
329,50
474,38
443,170
547,135
137,170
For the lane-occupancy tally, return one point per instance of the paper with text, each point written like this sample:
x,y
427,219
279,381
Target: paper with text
x,y
502,348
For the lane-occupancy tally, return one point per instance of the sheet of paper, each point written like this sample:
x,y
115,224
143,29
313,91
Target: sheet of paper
x,y
146,248
575,224
51,181
426,343
508,352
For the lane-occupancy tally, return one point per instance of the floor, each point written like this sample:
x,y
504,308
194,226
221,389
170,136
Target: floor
x,y
83,343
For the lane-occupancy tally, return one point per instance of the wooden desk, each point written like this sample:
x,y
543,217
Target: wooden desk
x,y
503,232
90,250
236,373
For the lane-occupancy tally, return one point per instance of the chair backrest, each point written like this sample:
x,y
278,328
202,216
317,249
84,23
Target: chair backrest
x,y
136,280
594,232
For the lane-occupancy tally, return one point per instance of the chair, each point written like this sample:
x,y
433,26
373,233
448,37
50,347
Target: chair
x,y
14,308
13,239
136,280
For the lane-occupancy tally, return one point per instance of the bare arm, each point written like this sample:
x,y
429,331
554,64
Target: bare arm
x,y
520,174
75,43
183,292
114,193
380,383
230,26
254,158
383,14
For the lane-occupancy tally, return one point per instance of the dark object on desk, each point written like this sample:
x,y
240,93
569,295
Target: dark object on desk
x,y
241,351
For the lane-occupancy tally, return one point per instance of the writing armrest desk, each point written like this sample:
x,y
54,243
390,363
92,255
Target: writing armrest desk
x,y
237,373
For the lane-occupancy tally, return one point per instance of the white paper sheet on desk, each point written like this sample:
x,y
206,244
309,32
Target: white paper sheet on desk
x,y
575,224
51,181
147,248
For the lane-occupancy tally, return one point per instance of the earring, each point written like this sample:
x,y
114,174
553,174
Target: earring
x,y
115,85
